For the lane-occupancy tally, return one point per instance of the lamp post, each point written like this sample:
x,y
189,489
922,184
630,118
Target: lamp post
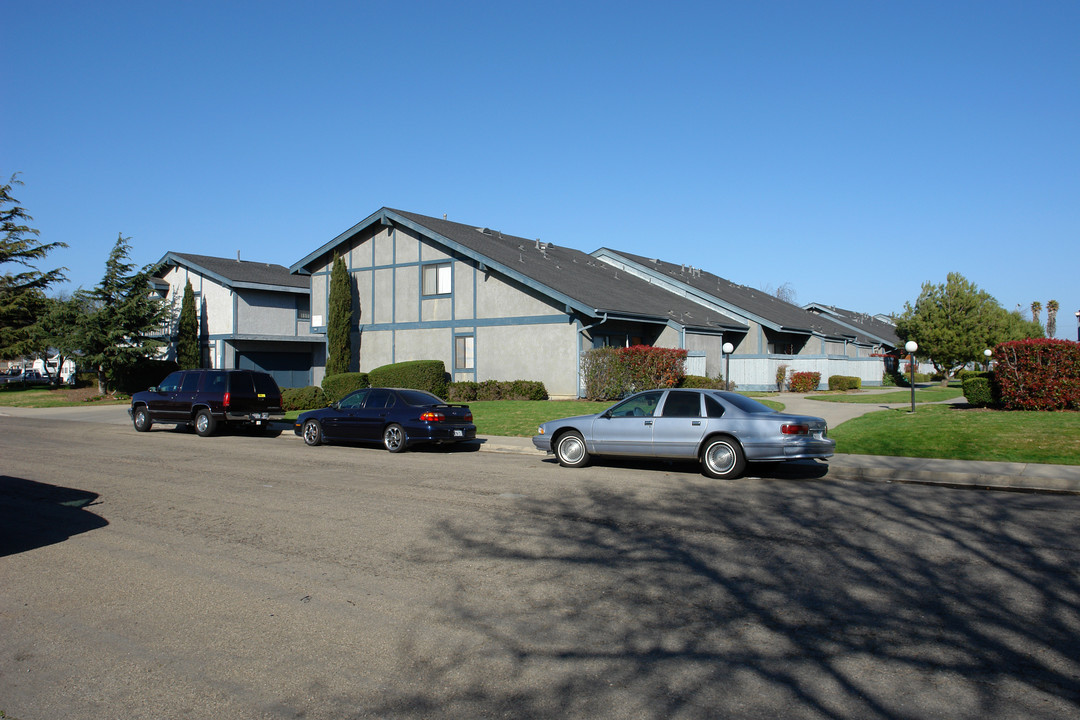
x,y
1078,326
988,353
728,348
911,346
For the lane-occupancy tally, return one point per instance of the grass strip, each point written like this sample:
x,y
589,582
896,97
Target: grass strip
x,y
961,433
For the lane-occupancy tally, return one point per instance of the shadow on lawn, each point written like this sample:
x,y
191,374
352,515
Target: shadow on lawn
x,y
752,599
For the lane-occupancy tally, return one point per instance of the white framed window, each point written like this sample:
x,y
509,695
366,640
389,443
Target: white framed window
x,y
464,352
437,279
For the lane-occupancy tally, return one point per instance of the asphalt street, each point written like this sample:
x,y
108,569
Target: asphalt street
x,y
165,575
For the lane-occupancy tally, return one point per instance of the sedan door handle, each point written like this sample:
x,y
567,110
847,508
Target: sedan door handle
x,y
648,422
696,422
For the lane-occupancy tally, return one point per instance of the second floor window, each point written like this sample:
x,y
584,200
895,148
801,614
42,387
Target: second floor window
x,y
437,279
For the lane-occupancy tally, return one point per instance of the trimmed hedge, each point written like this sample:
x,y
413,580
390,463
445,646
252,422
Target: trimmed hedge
x,y
804,381
978,391
844,382
305,398
703,383
335,387
468,391
427,375
1038,374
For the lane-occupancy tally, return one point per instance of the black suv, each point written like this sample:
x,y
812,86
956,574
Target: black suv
x,y
207,399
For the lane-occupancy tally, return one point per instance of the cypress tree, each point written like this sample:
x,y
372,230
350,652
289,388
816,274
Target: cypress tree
x,y
339,321
187,339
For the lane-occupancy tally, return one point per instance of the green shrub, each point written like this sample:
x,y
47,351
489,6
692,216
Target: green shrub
x,y
468,391
464,391
781,377
305,398
844,382
978,391
335,387
704,383
804,381
429,375
963,375
700,381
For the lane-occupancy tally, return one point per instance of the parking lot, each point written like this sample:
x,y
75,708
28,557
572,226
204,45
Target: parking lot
x,y
166,575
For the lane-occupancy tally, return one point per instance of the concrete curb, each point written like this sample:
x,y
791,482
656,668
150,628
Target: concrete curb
x,y
873,468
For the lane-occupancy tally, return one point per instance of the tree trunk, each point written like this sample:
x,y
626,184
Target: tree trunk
x,y
102,382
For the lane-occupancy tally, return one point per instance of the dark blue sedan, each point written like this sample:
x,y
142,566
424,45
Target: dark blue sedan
x,y
396,417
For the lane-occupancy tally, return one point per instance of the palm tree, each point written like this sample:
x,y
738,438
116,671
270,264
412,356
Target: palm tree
x,y
1051,318
1036,308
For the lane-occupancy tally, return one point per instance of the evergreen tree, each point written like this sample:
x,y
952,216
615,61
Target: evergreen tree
x,y
55,332
187,339
339,321
121,321
955,321
21,293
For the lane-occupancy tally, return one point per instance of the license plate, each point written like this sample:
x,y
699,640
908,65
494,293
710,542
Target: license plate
x,y
459,433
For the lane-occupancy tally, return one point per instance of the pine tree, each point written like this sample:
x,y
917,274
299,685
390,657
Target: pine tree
x,y
187,338
339,321
21,293
122,320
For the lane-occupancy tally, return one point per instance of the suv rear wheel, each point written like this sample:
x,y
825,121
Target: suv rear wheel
x,y
204,423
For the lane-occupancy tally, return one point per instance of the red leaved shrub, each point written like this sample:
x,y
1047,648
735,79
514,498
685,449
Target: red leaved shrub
x,y
804,381
1038,374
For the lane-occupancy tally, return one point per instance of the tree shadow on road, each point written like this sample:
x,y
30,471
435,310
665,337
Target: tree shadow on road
x,y
757,599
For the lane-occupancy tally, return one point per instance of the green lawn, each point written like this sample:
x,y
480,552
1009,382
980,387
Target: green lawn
x,y
958,433
42,397
922,395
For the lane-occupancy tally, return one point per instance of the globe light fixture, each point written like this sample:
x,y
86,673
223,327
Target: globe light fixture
x,y
988,353
727,348
911,346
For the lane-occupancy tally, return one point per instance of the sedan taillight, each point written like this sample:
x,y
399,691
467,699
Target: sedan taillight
x,y
432,417
790,429
468,417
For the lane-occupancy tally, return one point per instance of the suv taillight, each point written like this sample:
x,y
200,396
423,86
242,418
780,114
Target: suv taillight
x,y
225,401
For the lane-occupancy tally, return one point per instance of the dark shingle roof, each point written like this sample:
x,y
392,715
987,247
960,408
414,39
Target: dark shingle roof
x,y
239,272
869,324
573,274
772,310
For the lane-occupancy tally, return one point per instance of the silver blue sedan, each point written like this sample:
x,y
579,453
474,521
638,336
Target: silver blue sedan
x,y
722,430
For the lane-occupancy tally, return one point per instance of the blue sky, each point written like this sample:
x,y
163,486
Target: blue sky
x,y
851,150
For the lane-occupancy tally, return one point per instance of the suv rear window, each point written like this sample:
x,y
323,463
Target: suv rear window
x,y
264,384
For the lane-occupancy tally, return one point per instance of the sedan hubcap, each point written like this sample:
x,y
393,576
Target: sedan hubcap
x,y
720,457
571,449
310,433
